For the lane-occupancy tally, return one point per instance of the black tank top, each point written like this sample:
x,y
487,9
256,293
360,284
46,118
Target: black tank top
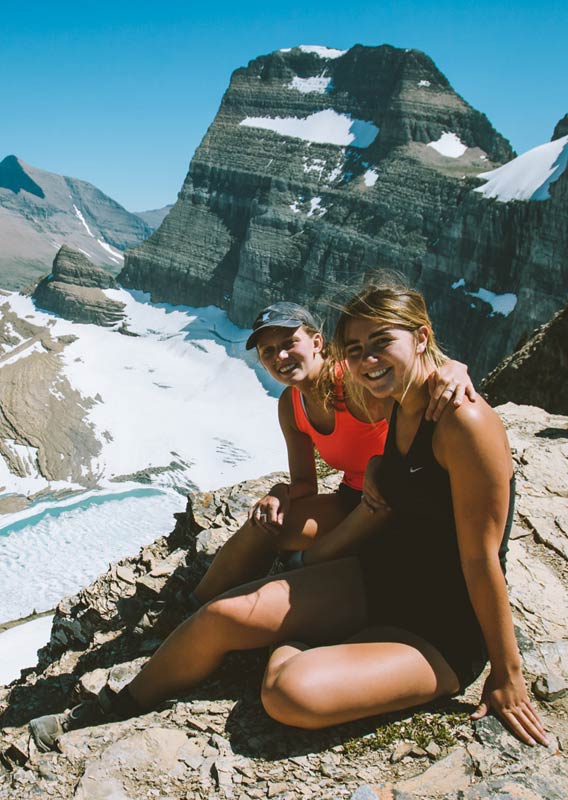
x,y
416,554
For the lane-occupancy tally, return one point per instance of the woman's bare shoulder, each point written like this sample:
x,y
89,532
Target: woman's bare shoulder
x,y
470,424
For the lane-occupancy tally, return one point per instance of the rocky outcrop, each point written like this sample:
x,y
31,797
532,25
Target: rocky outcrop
x,y
535,374
74,290
561,128
322,166
40,211
218,742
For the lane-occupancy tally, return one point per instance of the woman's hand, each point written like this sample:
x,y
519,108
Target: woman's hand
x,y
449,382
509,700
271,509
372,499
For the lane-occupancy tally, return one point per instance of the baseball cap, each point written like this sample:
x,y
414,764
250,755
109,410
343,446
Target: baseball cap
x,y
281,315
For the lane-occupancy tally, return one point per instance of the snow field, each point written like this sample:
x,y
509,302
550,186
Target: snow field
x,y
166,391
19,646
529,176
64,546
159,397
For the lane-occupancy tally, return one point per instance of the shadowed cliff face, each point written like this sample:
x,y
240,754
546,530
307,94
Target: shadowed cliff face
x,y
321,167
536,373
14,178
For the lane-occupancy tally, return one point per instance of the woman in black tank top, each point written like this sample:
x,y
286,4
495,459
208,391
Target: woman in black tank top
x,y
450,488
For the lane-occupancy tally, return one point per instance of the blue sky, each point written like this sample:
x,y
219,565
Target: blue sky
x,y
120,94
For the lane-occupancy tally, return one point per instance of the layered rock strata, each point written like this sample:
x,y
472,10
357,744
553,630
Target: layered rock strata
x,y
322,166
537,373
74,290
218,742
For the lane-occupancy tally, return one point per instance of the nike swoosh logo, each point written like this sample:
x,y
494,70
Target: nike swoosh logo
x,y
415,469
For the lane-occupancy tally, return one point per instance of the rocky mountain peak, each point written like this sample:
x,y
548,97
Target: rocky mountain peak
x,y
14,177
561,128
322,166
72,267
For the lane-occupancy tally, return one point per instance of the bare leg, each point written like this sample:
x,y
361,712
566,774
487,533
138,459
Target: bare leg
x,y
318,604
248,554
380,670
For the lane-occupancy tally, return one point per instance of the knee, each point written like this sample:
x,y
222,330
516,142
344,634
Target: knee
x,y
290,695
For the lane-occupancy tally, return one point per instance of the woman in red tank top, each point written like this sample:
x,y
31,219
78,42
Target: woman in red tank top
x,y
314,411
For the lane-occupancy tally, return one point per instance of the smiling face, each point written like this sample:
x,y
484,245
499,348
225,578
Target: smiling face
x,y
291,355
382,358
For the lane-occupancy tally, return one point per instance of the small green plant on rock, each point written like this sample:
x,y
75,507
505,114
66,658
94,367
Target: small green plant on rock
x,y
422,728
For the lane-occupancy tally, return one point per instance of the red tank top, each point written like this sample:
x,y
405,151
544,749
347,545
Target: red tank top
x,y
349,446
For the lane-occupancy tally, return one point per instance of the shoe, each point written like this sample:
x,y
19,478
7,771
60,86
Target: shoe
x,y
48,729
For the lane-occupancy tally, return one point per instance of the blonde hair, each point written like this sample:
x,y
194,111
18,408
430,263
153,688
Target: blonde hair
x,y
327,381
388,301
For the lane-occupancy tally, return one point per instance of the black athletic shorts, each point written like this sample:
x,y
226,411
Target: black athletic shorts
x,y
349,497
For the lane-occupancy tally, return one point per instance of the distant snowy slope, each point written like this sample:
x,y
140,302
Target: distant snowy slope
x,y
530,175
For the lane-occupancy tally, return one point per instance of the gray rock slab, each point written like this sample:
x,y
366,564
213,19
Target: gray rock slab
x,y
117,774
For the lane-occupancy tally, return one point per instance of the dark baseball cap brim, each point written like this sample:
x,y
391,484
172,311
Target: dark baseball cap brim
x,y
282,323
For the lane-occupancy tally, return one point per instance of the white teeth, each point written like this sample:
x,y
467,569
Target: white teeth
x,y
378,374
284,370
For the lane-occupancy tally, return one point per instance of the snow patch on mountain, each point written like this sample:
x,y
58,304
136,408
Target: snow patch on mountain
x,y
318,85
502,304
529,176
370,177
321,51
82,220
323,127
449,145
316,208
114,255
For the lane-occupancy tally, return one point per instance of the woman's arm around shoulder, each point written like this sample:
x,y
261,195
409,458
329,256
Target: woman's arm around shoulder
x,y
471,444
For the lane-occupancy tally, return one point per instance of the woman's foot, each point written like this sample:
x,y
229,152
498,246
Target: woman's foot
x,y
108,706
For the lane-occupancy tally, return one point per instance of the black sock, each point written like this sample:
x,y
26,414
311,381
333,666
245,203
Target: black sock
x,y
125,705
121,704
